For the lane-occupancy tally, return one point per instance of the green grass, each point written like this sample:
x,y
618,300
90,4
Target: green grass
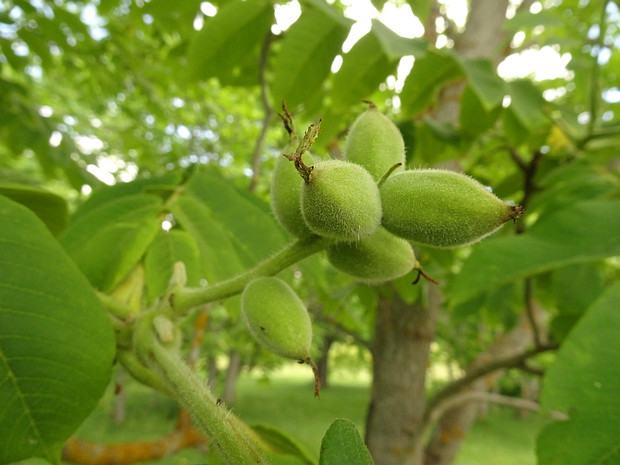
x,y
501,439
286,401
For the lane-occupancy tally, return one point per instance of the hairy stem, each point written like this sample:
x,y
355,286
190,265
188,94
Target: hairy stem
x,y
135,368
115,307
186,298
232,438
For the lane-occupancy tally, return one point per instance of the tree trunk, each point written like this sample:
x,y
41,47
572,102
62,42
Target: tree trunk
x,y
483,37
403,334
456,422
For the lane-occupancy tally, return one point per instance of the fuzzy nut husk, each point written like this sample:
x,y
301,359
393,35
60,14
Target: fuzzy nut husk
x,y
441,208
277,318
341,201
375,142
375,259
285,191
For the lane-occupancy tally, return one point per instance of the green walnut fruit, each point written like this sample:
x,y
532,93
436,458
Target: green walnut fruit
x,y
285,192
341,201
375,259
441,208
375,142
277,318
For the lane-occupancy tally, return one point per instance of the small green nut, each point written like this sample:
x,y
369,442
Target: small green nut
x,y
277,318
285,192
375,259
341,201
442,208
375,142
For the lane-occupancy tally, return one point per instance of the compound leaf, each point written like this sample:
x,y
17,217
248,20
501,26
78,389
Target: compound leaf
x,y
56,343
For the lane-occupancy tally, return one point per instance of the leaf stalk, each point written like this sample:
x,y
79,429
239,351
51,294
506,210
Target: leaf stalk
x,y
187,298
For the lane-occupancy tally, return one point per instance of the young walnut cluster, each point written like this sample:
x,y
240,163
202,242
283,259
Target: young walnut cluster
x,y
372,209
371,192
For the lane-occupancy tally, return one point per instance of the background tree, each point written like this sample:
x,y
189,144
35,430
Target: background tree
x,y
140,93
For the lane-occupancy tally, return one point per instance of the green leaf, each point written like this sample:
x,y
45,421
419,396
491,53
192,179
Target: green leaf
x,y
50,208
445,132
484,119
219,259
363,68
434,141
343,444
281,443
155,184
234,35
574,288
527,105
56,344
583,383
428,75
369,62
249,223
570,183
583,232
107,241
396,46
407,292
305,57
484,82
17,62
516,133
167,248
421,8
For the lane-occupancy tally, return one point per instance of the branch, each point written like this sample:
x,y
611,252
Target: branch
x,y
451,395
340,328
200,325
491,397
532,370
518,159
529,170
260,142
83,452
530,313
514,361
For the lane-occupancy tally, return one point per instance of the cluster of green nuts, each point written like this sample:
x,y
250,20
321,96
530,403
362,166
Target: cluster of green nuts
x,y
372,210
